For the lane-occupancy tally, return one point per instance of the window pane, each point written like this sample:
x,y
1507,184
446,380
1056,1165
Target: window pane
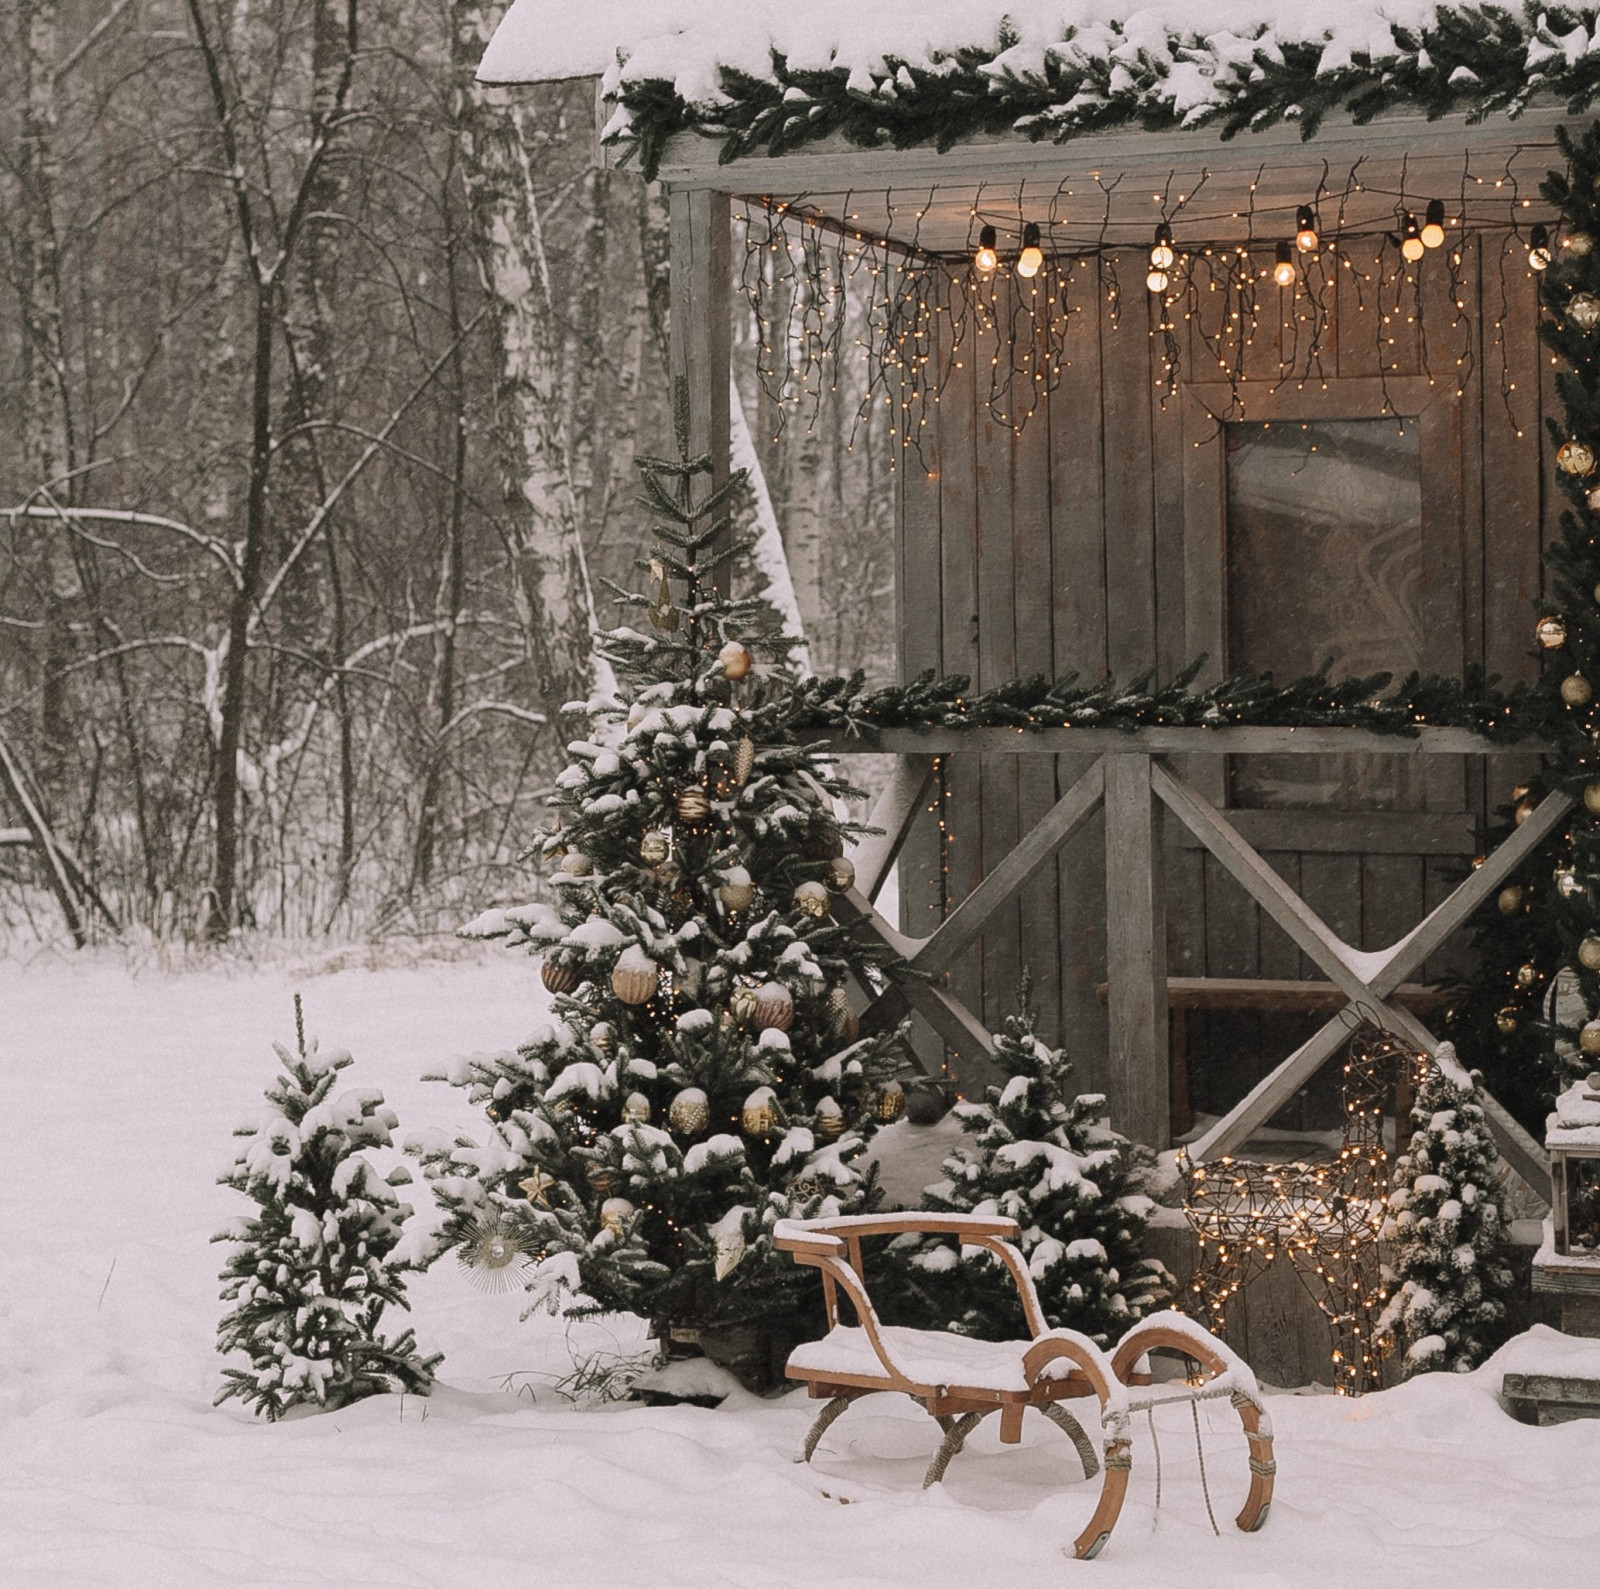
x,y
1325,560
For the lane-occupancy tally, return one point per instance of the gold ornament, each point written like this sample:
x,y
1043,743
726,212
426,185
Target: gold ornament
x,y
744,760
557,977
636,1109
693,804
615,1213
654,847
811,899
602,1177
491,1254
735,659
736,891
1579,243
1510,899
830,1120
602,1037
635,976
774,1007
1506,1020
759,1117
536,1188
839,875
742,1004
730,1251
1551,633
1575,457
662,613
805,1189
1576,690
1527,974
690,1113
891,1102
574,864
1589,1037
1584,311
1589,953
1591,798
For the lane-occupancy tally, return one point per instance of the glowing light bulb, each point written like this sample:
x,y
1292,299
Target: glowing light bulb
x,y
1305,229
1157,281
1538,248
1433,227
1283,270
1031,259
1412,247
986,259
1162,255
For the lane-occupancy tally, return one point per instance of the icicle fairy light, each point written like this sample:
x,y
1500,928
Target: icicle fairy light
x,y
869,300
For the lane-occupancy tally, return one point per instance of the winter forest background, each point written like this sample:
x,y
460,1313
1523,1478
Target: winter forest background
x,y
321,380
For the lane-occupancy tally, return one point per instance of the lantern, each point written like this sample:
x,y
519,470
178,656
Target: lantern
x,y
1568,1265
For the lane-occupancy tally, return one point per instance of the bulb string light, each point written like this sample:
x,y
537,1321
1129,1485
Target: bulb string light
x,y
855,306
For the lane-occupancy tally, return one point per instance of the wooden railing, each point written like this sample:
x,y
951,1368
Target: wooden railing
x,y
1134,781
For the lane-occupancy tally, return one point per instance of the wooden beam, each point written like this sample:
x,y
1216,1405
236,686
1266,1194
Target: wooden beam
x,y
894,812
1247,741
700,245
1136,953
1054,830
1347,832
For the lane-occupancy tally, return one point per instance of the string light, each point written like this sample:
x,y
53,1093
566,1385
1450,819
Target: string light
x,y
1412,248
1283,271
986,259
1305,229
1031,259
1162,256
1433,228
1539,255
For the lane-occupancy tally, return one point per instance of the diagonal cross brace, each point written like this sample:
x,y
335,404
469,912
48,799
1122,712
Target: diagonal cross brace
x,y
1383,973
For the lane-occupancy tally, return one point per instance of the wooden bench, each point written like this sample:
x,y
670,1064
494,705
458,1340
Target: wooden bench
x,y
960,1380
1275,995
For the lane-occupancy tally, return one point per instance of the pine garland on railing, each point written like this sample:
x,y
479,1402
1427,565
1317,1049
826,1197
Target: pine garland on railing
x,y
843,706
1474,59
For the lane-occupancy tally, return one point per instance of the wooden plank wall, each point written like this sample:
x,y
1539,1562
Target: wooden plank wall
x,y
1064,549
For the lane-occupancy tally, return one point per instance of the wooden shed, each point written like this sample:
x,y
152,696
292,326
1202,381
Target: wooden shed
x,y
1184,427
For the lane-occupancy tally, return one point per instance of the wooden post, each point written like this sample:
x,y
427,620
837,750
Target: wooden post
x,y
701,250
1136,954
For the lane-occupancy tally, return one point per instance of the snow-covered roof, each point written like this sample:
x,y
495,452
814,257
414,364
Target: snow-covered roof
x,y
688,42
1576,1121
765,76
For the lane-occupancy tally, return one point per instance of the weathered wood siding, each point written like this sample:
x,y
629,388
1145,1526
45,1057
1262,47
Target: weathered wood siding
x,y
1096,541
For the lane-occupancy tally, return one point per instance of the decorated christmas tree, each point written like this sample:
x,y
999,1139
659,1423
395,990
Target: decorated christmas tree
x,y
703,1076
1447,1227
314,1268
1051,1163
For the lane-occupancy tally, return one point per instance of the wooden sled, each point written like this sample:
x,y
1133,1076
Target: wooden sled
x,y
960,1381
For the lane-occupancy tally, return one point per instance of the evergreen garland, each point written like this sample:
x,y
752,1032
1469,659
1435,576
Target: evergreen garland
x,y
314,1268
1447,1230
1055,1166
1476,59
1527,1018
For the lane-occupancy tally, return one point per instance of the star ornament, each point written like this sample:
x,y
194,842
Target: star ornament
x,y
537,1187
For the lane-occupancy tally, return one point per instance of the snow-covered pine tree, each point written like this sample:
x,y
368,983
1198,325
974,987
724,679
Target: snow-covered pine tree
x,y
703,1076
1056,1167
313,1268
1447,1227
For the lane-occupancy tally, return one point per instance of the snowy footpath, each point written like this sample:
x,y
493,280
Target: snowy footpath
x,y
118,1093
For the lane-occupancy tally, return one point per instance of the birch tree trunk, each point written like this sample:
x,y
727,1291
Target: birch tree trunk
x,y
530,429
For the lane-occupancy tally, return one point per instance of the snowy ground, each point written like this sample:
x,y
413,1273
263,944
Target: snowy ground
x,y
118,1094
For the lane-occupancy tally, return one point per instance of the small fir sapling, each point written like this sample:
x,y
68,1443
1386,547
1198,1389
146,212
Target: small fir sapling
x,y
702,1076
312,1269
1447,1229
1055,1166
